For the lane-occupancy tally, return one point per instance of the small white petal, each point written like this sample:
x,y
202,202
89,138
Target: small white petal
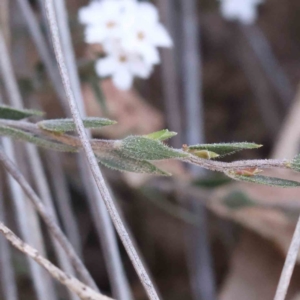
x,y
150,54
123,79
141,69
90,14
160,37
106,66
95,34
244,11
147,12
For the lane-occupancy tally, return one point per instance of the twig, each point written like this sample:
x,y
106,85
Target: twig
x,y
74,285
220,166
103,224
212,165
289,265
9,285
49,4
48,218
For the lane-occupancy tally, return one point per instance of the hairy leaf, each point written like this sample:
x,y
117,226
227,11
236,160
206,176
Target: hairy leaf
x,y
161,135
28,137
271,181
65,125
9,113
115,160
295,163
223,148
143,148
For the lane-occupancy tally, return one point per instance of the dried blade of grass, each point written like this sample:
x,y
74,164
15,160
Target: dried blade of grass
x,y
25,214
16,101
289,265
261,91
198,247
270,64
74,285
47,217
287,141
9,285
171,86
49,4
30,230
63,200
103,224
115,264
42,48
44,192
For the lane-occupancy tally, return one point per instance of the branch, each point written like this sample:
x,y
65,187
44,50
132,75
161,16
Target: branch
x,y
74,285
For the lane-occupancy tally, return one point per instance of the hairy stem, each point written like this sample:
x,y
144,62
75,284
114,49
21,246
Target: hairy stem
x,y
49,4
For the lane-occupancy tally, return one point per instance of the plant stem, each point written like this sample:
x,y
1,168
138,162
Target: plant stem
x,y
103,224
49,4
74,285
289,265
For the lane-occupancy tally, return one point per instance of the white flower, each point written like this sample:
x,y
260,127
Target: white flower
x,y
130,33
146,33
244,11
123,67
104,19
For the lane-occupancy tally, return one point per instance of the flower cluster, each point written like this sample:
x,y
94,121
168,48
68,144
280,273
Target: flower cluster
x,y
244,11
130,33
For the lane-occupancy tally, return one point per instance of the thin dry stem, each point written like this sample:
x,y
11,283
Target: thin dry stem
x,y
49,4
74,285
289,265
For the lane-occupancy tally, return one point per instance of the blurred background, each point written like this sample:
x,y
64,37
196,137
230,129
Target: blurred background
x,y
201,235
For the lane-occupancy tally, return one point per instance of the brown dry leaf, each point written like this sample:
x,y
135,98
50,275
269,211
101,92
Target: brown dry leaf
x,y
273,216
133,113
255,270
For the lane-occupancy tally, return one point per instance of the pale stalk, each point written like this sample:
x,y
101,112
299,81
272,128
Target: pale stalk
x,y
49,4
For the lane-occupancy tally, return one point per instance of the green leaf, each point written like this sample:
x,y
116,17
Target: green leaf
x,y
115,160
143,148
295,164
238,200
65,125
223,148
270,181
9,113
28,137
161,135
